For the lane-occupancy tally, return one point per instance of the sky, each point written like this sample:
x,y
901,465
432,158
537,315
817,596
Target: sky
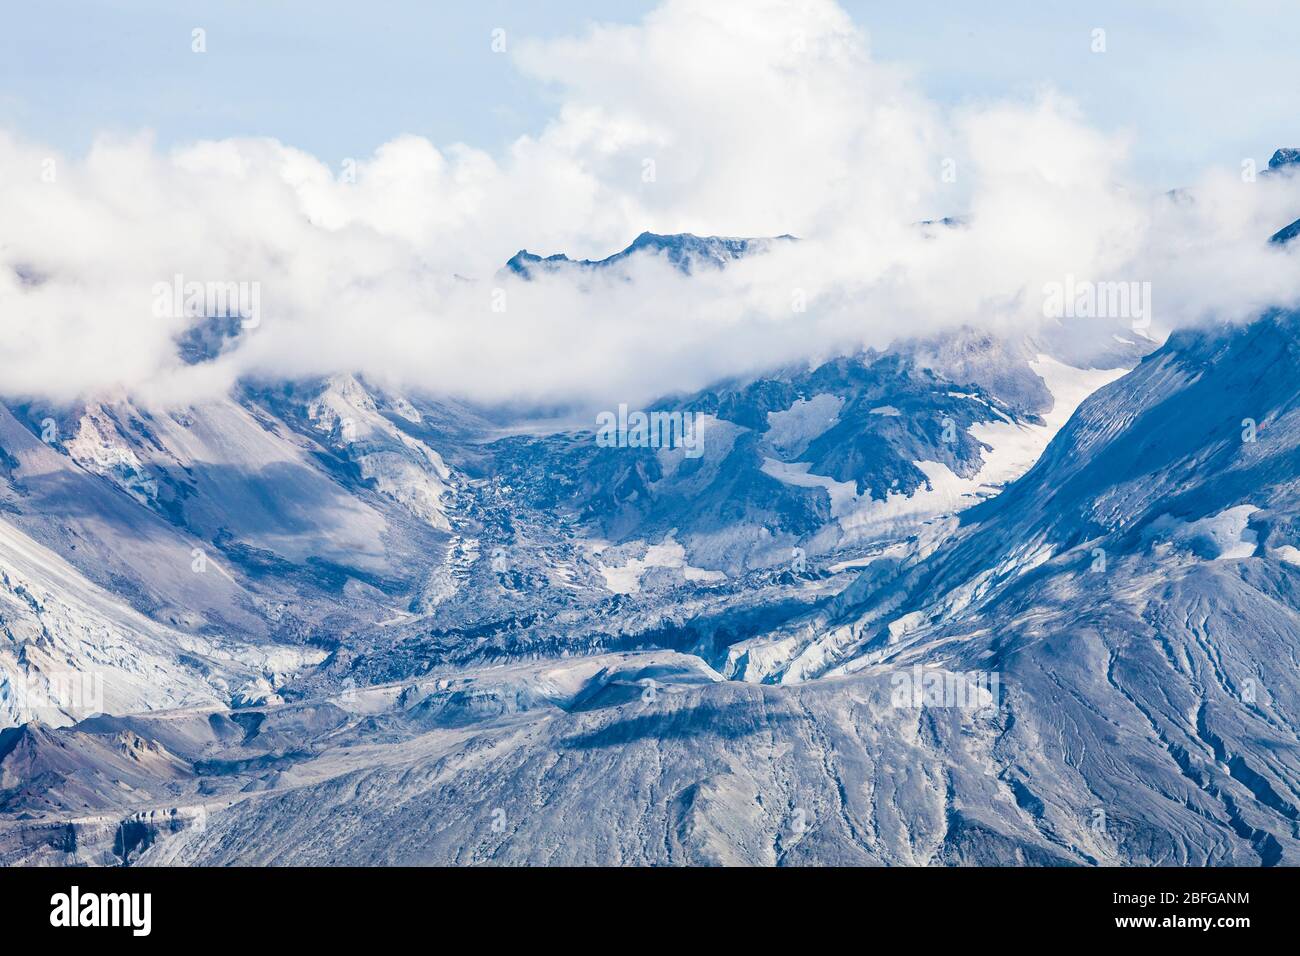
x,y
365,170
1195,81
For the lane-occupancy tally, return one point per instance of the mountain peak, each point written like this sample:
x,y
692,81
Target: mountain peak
x,y
684,251
1286,234
1286,156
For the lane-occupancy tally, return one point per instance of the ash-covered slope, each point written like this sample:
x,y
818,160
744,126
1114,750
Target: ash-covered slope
x,y
418,540
1131,604
70,649
410,529
823,459
847,454
561,544
1138,595
639,759
1188,461
151,558
86,516
278,512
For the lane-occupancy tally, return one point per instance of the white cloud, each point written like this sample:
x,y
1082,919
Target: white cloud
x,y
760,118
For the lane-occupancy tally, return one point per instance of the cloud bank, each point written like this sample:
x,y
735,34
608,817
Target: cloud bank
x,y
740,117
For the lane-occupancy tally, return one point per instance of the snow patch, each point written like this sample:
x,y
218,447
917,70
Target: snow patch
x,y
791,431
669,553
1010,450
1288,553
1221,537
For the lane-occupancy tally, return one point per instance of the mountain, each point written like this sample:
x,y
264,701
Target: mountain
x,y
969,600
1186,462
1286,234
1284,162
1137,593
69,649
1286,158
226,516
824,459
398,531
684,252
1095,668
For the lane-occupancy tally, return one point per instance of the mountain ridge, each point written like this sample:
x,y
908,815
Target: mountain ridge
x,y
684,251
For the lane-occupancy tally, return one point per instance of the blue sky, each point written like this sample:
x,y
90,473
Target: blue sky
x,y
1194,83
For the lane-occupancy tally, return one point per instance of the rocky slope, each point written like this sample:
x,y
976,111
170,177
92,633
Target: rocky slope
x,y
958,602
